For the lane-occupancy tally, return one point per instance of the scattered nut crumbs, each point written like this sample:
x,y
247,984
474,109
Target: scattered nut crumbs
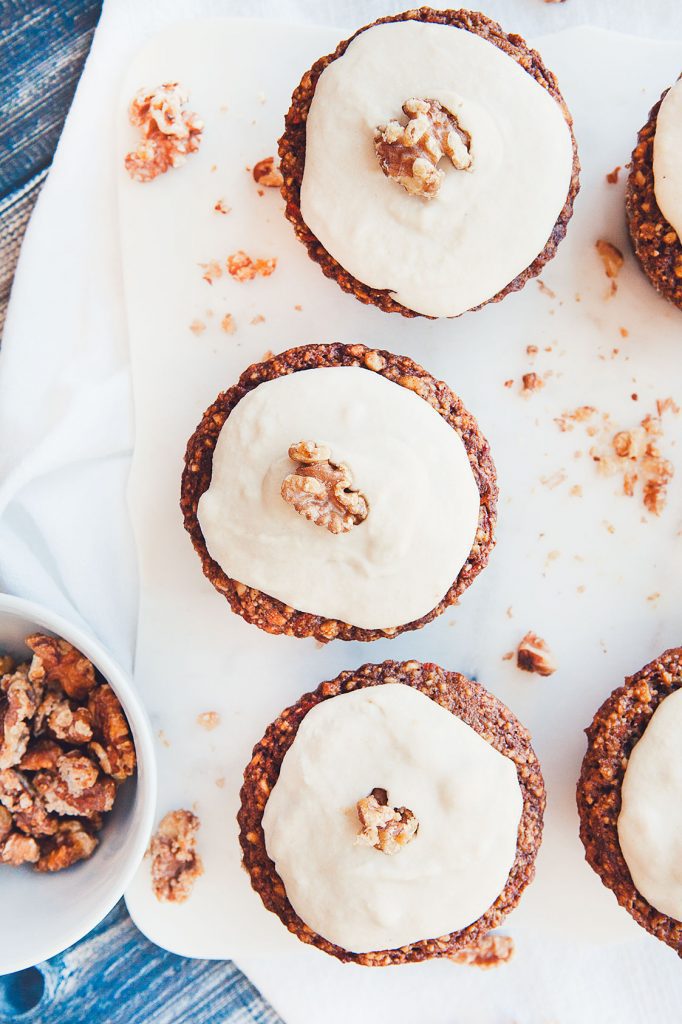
x,y
169,132
258,319
175,863
211,271
227,324
222,207
265,173
612,176
197,327
385,828
410,153
612,258
208,720
241,267
321,491
65,746
490,950
533,655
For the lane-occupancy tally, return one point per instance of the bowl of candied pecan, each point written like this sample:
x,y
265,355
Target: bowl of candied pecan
x,y
77,783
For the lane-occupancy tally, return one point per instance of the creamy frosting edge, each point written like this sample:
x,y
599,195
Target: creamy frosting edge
x,y
441,256
411,465
650,820
465,795
667,159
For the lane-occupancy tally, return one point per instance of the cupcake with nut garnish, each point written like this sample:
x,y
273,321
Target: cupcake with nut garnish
x,y
339,491
654,196
429,163
630,796
392,815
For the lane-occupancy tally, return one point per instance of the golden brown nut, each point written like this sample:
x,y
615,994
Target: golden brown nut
x,y
72,842
112,746
385,828
175,862
19,849
321,491
63,664
533,655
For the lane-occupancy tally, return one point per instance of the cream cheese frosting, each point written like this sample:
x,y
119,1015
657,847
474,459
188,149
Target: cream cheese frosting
x,y
445,255
464,794
650,821
668,157
406,459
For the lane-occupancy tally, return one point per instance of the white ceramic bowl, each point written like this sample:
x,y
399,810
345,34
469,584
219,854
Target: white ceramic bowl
x,y
42,914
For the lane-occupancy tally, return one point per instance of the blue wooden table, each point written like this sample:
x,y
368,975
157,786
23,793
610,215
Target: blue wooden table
x,y
114,976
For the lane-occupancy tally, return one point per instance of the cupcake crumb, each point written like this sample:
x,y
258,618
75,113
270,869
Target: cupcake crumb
x,y
208,720
490,950
612,176
612,259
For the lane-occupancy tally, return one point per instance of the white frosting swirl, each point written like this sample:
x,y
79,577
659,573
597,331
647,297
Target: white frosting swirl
x,y
650,821
405,458
668,157
444,255
465,795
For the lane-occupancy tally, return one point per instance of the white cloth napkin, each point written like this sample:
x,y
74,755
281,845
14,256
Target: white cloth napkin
x,y
66,434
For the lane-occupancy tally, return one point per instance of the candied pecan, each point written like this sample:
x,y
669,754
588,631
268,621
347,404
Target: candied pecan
x,y
72,841
19,699
533,655
169,132
63,664
41,754
385,828
321,491
25,804
410,154
489,951
175,863
265,173
63,720
76,788
5,822
112,746
19,849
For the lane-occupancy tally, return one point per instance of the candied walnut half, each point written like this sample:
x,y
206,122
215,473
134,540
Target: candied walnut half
x,y
62,664
25,804
5,823
19,699
112,746
19,849
385,828
169,132
72,841
322,491
489,951
63,720
410,153
533,655
75,788
175,862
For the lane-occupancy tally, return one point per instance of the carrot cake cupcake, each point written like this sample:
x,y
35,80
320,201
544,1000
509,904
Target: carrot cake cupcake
x,y
654,196
393,815
339,491
630,796
429,163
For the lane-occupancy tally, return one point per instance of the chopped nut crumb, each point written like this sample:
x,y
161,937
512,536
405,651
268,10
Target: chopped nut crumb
x,y
258,319
197,327
175,862
208,720
222,207
612,176
265,173
533,655
531,382
490,950
509,383
242,268
385,828
321,491
612,258
545,289
211,271
410,153
169,132
227,324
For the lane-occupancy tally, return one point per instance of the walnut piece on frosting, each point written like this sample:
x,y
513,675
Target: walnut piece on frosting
x,y
533,655
175,862
64,747
321,491
385,828
169,132
410,153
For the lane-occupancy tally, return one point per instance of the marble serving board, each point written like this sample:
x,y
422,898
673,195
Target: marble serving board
x,y
577,561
